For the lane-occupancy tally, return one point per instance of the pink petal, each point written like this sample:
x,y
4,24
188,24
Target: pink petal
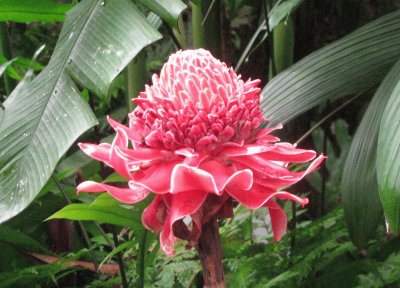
x,y
156,178
225,174
258,196
265,131
278,219
125,195
99,152
248,149
119,163
187,178
116,125
153,216
288,153
144,154
182,205
272,175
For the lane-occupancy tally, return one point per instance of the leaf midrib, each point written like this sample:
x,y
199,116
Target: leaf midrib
x,y
29,144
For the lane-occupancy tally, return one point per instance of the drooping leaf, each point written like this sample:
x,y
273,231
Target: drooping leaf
x,y
362,207
279,12
282,11
111,269
388,156
116,214
168,10
44,117
31,11
19,239
350,65
5,65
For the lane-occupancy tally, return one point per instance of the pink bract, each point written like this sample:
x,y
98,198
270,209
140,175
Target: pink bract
x,y
195,141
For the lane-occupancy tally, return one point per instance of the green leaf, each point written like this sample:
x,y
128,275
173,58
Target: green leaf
x,y
115,214
352,64
388,155
118,249
168,10
45,116
282,11
32,10
360,197
5,65
19,239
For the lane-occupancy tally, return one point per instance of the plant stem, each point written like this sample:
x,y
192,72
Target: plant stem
x,y
119,259
197,28
209,249
270,40
81,226
140,265
135,78
6,52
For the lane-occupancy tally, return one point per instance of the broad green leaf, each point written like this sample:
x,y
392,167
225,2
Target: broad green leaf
x,y
19,239
388,156
45,116
352,64
32,10
116,214
168,10
362,207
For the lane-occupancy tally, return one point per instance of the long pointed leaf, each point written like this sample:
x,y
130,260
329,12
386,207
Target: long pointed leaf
x,y
360,197
388,158
28,10
45,116
350,65
113,215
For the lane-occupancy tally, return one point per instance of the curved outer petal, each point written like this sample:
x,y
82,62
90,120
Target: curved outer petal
x,y
99,152
248,149
278,219
288,153
125,195
258,196
186,178
156,178
153,216
225,174
263,134
182,205
119,163
116,125
273,175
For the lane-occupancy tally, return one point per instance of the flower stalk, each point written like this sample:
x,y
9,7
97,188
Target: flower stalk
x,y
209,249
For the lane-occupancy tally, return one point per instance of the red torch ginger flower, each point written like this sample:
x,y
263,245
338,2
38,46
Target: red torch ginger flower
x,y
197,143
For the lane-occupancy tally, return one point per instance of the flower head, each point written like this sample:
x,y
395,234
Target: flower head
x,y
196,142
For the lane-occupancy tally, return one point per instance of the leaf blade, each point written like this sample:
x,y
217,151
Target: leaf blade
x,y
32,11
84,211
37,130
388,159
360,196
350,65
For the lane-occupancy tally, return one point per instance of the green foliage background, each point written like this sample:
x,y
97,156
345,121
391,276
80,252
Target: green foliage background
x,y
330,72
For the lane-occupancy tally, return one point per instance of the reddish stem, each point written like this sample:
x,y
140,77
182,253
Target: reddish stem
x,y
209,249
